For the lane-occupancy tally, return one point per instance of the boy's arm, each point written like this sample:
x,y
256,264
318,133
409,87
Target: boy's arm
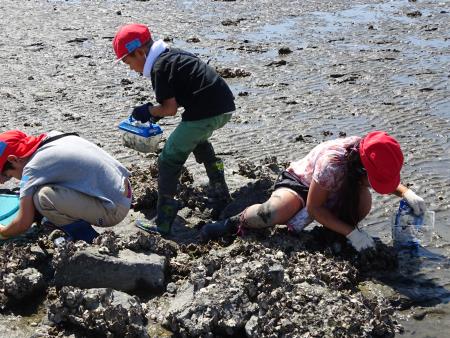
x,y
167,108
23,220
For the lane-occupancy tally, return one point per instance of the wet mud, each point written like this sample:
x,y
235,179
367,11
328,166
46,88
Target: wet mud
x,y
301,74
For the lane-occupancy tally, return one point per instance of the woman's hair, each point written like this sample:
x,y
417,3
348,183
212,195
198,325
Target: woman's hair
x,y
347,208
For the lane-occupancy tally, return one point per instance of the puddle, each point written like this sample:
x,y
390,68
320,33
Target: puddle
x,y
361,15
442,110
193,48
406,80
274,32
431,43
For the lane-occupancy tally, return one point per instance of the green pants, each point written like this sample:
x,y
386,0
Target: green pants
x,y
188,137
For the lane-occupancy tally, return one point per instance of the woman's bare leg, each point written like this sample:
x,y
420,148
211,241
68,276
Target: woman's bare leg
x,y
282,205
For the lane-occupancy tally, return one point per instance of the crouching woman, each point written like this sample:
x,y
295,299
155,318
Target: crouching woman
x,y
330,185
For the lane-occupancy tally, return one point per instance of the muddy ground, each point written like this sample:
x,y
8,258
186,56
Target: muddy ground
x,y
302,72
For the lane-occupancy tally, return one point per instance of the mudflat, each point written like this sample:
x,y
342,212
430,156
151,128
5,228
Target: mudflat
x,y
301,72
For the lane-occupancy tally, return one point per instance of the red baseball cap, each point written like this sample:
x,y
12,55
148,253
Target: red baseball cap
x,y
17,143
130,37
382,158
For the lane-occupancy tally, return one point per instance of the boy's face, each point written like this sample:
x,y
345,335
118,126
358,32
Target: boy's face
x,y
136,61
16,171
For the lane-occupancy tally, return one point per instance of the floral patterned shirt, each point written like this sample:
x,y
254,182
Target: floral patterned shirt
x,y
324,164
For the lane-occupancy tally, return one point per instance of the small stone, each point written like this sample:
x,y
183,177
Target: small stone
x,y
275,275
171,288
284,51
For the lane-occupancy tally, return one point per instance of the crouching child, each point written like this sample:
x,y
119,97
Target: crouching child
x,y
70,181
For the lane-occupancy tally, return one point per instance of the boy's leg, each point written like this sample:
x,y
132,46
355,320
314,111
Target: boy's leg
x,y
183,140
204,153
218,189
63,206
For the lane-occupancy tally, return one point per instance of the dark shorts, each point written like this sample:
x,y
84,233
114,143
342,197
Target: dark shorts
x,y
287,180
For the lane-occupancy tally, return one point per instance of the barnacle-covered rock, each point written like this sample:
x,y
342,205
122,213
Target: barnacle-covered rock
x,y
103,311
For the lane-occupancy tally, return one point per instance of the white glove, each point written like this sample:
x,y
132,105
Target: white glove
x,y
360,240
415,202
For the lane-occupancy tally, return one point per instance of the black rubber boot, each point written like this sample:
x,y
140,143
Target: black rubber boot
x,y
166,212
212,231
218,188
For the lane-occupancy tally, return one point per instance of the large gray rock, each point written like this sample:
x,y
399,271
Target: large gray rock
x,y
88,268
104,312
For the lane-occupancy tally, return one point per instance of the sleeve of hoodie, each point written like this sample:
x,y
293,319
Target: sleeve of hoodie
x,y
164,78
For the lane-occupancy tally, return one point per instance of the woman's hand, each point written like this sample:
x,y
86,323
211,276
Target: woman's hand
x,y
416,202
360,240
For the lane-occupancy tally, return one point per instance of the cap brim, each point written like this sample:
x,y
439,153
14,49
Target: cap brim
x,y
383,187
116,61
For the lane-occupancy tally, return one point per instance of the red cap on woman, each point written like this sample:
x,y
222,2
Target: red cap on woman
x,y
382,158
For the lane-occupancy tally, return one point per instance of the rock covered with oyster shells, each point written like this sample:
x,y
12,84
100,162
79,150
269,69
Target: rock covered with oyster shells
x,y
101,311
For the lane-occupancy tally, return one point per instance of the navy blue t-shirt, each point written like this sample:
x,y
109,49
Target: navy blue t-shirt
x,y
195,85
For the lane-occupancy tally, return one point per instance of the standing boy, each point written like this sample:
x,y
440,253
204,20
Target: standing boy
x,y
68,180
179,79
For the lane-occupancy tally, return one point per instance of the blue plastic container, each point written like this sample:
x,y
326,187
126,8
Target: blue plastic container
x,y
9,207
143,137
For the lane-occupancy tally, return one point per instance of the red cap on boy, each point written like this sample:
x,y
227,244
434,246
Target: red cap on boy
x,y
382,158
130,37
17,143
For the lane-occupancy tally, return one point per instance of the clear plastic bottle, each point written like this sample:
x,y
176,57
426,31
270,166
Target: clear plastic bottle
x,y
410,230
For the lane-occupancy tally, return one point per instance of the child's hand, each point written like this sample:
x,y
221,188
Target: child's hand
x,y
142,113
360,240
415,202
1,236
154,119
